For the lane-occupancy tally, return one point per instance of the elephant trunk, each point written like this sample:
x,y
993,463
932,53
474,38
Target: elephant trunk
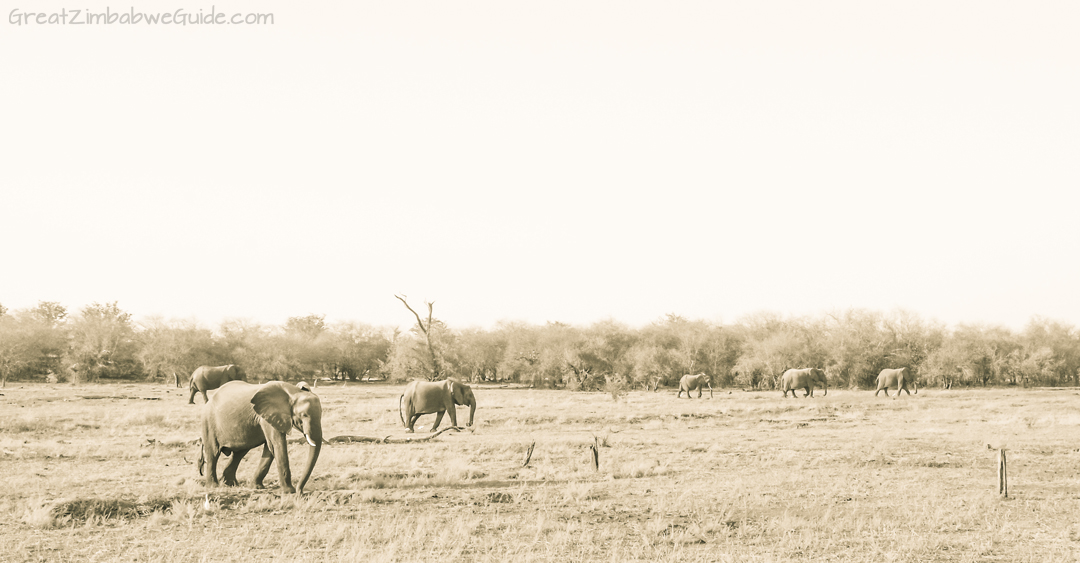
x,y
825,387
315,440
915,385
472,411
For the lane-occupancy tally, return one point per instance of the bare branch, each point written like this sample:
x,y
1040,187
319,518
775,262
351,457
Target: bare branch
x,y
435,371
419,323
386,440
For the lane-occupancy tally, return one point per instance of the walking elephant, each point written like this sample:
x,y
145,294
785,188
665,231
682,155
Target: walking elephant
x,y
803,379
205,378
426,397
242,416
690,382
898,378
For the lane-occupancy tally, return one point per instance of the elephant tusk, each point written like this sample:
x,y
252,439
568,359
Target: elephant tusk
x,y
308,438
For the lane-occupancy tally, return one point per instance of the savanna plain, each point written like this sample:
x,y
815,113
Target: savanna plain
x,y
108,472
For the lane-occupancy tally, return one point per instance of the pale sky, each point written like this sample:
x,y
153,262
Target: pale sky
x,y
546,161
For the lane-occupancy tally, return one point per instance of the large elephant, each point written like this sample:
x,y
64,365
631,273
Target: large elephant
x,y
426,397
690,382
897,378
803,379
243,415
205,378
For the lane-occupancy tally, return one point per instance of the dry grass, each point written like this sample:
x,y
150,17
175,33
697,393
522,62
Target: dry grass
x,y
742,477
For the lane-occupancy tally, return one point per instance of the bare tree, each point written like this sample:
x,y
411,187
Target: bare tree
x,y
435,369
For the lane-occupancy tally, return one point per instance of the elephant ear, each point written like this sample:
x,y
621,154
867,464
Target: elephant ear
x,y
274,404
457,393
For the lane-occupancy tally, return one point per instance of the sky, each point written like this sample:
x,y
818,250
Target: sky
x,y
569,161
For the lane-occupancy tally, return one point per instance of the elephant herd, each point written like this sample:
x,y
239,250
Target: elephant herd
x,y
808,379
241,416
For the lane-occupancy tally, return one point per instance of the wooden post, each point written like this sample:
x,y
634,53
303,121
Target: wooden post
x,y
528,455
595,447
1003,478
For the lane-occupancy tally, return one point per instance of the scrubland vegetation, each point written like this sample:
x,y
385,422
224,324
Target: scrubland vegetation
x,y
106,472
102,467
102,342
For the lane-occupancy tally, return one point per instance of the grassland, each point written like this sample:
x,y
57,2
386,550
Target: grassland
x,y
107,472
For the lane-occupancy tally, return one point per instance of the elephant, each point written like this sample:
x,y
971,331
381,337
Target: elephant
x,y
895,378
205,378
690,382
426,397
803,379
243,415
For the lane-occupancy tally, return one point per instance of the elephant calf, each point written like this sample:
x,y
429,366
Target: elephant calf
x,y
426,397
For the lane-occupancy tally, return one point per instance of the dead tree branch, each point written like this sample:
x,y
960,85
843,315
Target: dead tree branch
x,y
386,440
435,371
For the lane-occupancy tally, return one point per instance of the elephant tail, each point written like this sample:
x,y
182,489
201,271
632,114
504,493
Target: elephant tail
x,y
400,399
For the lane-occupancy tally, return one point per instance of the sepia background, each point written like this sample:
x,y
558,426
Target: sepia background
x,y
555,161
593,198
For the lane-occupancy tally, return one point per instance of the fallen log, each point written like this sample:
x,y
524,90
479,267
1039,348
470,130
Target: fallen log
x,y
375,440
118,397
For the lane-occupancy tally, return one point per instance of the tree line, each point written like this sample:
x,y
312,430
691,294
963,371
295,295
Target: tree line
x,y
101,341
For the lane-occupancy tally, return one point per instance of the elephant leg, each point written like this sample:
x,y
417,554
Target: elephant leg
x,y
228,475
210,455
878,391
438,419
191,399
412,420
410,416
204,398
905,390
698,392
264,466
211,470
279,451
452,411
